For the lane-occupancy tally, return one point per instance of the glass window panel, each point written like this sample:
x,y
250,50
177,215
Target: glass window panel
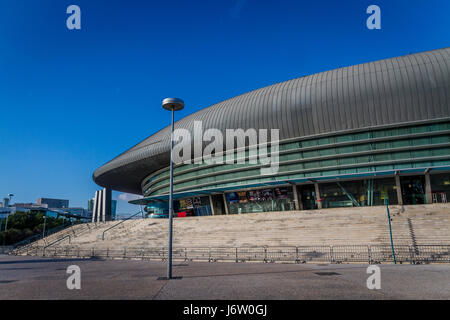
x,y
440,139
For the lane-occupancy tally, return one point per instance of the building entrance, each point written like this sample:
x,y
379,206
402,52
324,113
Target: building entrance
x,y
413,189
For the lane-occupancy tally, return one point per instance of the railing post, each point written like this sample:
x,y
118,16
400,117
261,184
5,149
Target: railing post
x,y
265,254
331,254
124,253
107,252
411,256
185,254
369,254
209,254
236,254
296,255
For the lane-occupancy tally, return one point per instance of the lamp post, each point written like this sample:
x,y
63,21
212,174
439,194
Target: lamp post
x,y
43,230
171,104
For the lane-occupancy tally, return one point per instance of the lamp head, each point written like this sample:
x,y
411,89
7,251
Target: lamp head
x,y
174,104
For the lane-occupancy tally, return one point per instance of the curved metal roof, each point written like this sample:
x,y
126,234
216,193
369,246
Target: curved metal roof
x,y
408,88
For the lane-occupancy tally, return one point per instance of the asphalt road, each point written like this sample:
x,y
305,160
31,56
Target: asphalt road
x,y
44,278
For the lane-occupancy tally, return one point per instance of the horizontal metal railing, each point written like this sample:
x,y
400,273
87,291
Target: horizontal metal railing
x,y
6,249
62,233
295,254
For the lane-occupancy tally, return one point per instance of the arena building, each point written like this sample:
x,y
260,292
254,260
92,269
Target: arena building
x,y
355,136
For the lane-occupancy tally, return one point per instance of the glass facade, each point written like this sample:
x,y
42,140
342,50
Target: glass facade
x,y
440,187
335,194
195,206
264,200
371,157
419,146
361,193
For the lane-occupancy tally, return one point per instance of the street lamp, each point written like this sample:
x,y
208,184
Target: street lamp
x,y
43,230
171,104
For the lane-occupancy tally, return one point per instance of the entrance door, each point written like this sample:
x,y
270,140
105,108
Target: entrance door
x,y
217,200
308,197
413,189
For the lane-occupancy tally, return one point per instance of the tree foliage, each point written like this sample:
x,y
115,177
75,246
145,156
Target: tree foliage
x,y
22,225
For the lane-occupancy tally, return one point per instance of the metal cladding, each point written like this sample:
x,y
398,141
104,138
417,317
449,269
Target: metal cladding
x,y
409,88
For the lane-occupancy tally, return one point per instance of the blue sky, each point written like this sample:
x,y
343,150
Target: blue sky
x,y
71,100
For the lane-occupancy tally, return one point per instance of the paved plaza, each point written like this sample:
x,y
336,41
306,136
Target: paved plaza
x,y
44,278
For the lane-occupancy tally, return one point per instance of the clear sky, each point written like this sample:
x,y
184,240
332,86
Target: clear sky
x,y
71,100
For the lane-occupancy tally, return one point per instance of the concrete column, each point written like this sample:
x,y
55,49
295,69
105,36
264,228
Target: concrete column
x,y
100,204
108,200
317,192
212,205
399,189
428,194
296,202
94,207
225,203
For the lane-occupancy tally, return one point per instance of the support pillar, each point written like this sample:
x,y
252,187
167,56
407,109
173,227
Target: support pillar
x,y
428,194
317,192
399,190
107,214
296,202
94,207
100,205
212,205
225,203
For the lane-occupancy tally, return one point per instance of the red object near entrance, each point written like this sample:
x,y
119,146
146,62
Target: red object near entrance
x,y
181,214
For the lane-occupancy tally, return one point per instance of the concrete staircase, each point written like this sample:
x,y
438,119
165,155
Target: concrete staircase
x,y
411,225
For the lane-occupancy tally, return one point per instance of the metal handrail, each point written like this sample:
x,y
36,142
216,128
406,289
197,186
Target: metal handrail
x,y
372,254
38,236
112,227
56,241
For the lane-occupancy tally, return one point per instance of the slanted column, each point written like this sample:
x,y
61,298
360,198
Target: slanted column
x,y
317,192
428,194
296,202
94,207
399,189
107,216
212,205
100,205
225,203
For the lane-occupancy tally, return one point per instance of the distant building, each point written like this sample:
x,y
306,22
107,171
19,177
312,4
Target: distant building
x,y
76,211
4,203
53,203
91,205
4,212
113,209
25,207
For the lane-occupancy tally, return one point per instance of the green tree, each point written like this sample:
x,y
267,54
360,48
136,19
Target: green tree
x,y
22,225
